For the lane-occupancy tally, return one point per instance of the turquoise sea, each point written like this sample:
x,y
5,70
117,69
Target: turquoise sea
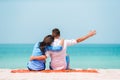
x,y
84,56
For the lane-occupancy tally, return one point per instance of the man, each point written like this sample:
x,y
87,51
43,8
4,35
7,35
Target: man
x,y
60,60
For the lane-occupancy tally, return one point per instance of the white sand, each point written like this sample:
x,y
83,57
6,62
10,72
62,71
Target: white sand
x,y
104,74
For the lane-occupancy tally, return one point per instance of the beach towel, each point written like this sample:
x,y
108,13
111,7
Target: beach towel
x,y
56,71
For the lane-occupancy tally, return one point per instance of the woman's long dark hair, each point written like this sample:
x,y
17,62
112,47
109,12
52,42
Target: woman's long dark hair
x,y
46,42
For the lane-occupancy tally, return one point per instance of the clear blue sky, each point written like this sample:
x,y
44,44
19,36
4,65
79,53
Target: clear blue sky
x,y
28,21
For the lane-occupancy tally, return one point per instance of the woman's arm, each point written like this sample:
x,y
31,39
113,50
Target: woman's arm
x,y
56,48
42,57
90,34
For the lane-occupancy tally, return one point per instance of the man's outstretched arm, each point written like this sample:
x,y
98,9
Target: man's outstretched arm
x,y
90,34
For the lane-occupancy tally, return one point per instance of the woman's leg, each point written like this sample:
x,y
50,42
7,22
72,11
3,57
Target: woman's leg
x,y
36,70
29,69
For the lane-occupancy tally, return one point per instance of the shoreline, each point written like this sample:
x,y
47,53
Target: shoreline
x,y
103,74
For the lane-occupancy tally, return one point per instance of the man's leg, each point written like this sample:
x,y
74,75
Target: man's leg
x,y
68,62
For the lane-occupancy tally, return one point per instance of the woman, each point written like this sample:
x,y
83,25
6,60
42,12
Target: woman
x,y
39,50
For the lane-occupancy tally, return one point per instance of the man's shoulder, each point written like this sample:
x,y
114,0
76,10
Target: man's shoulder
x,y
56,42
65,40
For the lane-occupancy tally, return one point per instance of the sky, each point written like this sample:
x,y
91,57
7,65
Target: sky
x,y
29,21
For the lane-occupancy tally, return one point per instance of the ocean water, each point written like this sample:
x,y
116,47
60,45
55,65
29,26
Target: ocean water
x,y
105,56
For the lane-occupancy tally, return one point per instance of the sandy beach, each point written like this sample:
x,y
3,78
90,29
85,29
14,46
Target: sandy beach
x,y
103,74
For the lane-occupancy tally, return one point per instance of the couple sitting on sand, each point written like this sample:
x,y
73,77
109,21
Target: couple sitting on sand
x,y
54,47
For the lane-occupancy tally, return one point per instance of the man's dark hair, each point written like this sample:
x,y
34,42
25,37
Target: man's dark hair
x,y
55,32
